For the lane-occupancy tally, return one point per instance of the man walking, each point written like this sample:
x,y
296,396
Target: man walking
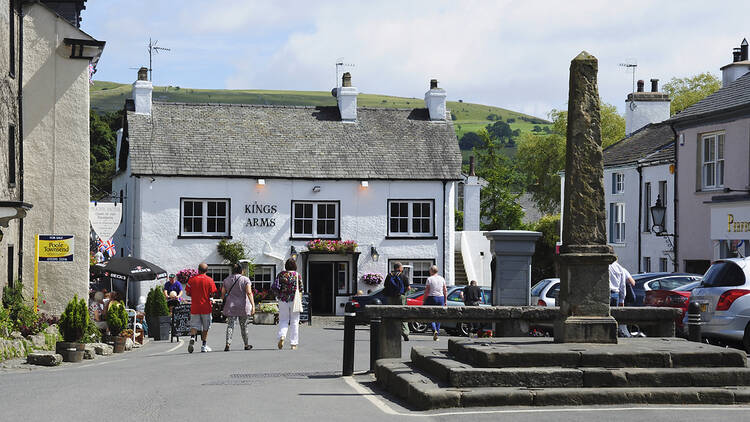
x,y
395,287
619,278
472,297
200,288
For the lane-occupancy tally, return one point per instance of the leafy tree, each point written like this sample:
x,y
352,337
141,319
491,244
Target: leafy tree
x,y
102,145
536,128
469,140
543,261
500,131
685,92
499,202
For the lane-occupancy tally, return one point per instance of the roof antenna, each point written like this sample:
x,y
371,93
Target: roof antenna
x,y
153,49
339,64
631,65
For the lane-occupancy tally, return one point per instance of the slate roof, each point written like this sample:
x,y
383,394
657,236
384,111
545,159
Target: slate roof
x,y
648,144
276,141
733,96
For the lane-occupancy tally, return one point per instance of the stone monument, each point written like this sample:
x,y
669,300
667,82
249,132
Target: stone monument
x,y
585,256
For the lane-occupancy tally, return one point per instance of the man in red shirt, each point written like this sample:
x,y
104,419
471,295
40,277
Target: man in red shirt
x,y
200,288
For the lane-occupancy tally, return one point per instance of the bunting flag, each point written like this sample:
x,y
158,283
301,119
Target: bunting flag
x,y
110,248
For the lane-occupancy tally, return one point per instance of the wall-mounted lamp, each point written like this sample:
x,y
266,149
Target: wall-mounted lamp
x,y
364,183
316,188
293,253
374,254
658,212
261,182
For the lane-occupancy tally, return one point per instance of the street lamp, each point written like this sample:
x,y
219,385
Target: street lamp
x,y
658,212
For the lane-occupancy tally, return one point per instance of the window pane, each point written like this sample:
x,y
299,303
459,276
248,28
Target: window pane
x,y
394,209
298,227
187,225
221,209
298,210
720,153
403,209
197,225
322,211
307,227
308,210
403,225
321,227
331,211
187,208
221,225
720,173
211,225
394,225
416,210
211,208
197,208
331,227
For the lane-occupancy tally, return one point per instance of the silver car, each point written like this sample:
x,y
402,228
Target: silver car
x,y
545,292
724,298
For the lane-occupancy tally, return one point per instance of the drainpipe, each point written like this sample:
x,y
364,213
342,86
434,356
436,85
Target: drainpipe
x,y
20,137
675,242
445,236
640,216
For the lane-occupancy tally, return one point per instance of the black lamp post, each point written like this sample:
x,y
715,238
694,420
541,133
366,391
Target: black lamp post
x,y
658,212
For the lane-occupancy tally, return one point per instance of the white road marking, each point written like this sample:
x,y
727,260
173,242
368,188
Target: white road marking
x,y
375,399
179,344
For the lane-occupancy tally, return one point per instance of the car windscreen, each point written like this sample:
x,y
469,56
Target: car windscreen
x,y
669,283
554,292
688,287
538,287
722,274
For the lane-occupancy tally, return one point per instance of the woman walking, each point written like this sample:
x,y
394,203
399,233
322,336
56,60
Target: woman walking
x,y
285,286
435,294
237,291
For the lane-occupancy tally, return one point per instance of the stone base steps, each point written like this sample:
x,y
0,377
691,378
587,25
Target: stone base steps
x,y
423,391
628,353
456,374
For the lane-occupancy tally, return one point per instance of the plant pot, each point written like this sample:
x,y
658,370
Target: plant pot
x,y
161,328
71,352
151,323
119,344
108,339
264,318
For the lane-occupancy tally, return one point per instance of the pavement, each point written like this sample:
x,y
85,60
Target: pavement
x,y
161,381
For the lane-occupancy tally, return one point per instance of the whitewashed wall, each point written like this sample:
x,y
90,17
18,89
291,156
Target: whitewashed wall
x,y
627,252
651,245
645,112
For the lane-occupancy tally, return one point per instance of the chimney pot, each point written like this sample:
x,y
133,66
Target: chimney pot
x,y
640,85
743,49
433,83
654,85
143,74
346,80
471,166
736,55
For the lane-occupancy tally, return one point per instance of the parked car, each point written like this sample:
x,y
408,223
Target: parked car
x,y
360,302
724,299
545,292
655,281
455,298
675,298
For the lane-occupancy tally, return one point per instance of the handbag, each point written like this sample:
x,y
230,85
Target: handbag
x,y
297,303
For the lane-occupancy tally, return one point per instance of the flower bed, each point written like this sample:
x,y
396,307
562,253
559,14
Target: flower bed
x,y
331,246
372,279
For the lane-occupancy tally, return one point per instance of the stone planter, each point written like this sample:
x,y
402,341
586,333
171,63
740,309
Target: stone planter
x,y
70,352
264,318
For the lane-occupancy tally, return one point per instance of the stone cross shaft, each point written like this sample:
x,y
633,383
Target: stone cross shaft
x,y
585,256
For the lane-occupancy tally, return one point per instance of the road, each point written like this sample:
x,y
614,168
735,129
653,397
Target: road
x,y
161,381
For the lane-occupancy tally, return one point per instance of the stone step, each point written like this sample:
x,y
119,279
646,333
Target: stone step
x,y
424,392
456,374
628,353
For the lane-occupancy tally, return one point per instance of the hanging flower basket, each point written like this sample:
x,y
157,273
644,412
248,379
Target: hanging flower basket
x,y
184,275
331,246
372,279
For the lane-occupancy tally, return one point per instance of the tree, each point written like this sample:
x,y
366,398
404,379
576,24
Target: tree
x,y
469,140
499,202
685,92
500,131
102,145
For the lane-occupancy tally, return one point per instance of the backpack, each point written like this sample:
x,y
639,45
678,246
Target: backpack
x,y
392,286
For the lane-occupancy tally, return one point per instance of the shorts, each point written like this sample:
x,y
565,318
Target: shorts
x,y
200,322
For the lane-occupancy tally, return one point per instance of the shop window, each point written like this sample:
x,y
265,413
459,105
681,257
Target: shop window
x,y
417,270
617,222
204,217
412,218
315,219
264,276
712,163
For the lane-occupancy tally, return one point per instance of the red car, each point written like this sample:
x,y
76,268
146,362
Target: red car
x,y
677,298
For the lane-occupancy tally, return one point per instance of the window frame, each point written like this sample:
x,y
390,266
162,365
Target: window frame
x,y
227,234
617,225
410,262
618,183
258,267
212,268
409,234
646,264
663,264
315,220
716,162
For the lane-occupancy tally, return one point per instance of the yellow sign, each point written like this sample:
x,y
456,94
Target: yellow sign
x,y
737,226
56,248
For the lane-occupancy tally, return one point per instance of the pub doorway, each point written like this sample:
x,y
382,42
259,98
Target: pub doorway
x,y
325,280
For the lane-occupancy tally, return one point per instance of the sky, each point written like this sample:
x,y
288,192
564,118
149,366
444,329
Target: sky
x,y
510,54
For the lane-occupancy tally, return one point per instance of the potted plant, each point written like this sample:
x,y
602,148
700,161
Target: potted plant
x,y
265,313
117,320
74,322
157,314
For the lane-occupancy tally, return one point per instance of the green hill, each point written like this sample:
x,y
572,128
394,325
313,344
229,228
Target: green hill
x,y
110,96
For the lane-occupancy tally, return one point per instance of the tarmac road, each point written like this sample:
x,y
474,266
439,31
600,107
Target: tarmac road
x,y
161,382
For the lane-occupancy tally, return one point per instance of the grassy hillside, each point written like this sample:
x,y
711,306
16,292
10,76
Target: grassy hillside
x,y
110,96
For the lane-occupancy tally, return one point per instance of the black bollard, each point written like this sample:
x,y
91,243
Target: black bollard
x,y
375,326
349,326
694,322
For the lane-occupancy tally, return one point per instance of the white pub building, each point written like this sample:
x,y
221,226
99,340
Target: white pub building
x,y
276,177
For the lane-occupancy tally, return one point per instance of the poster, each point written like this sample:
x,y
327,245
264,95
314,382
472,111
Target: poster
x,y
105,218
56,248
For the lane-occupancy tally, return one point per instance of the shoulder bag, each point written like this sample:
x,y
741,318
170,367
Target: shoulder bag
x,y
297,304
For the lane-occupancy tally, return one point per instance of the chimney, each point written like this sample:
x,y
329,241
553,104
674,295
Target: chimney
x,y
142,90
471,166
347,99
654,85
738,67
643,108
434,99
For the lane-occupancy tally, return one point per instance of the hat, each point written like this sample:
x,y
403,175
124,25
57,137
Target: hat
x,y
172,276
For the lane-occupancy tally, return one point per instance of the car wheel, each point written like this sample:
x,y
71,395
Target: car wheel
x,y
464,329
746,339
417,327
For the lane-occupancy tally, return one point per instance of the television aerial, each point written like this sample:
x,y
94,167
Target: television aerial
x,y
153,49
631,65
